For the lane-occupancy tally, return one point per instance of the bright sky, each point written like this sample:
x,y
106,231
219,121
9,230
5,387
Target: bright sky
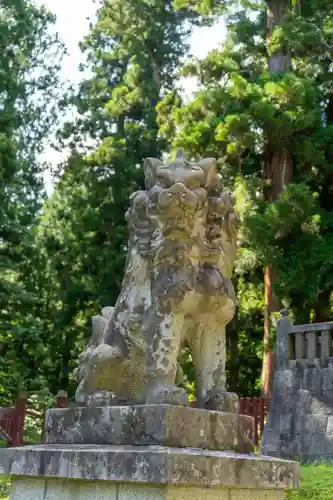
x,y
73,17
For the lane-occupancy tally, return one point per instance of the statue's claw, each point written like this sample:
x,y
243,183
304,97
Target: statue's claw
x,y
168,394
223,401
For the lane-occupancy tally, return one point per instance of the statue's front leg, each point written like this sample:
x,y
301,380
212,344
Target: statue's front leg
x,y
209,351
165,334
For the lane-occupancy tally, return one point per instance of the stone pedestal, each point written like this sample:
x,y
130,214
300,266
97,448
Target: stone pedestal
x,y
142,425
149,453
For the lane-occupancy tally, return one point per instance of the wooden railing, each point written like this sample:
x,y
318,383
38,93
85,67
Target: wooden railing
x,y
311,341
258,409
12,422
295,342
12,419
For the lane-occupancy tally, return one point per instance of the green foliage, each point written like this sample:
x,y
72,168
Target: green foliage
x,y
188,366
316,483
34,424
4,487
28,85
203,7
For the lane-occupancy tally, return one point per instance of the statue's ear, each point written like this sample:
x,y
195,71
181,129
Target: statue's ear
x,y
209,166
150,165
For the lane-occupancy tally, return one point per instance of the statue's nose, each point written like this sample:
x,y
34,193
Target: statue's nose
x,y
178,188
178,196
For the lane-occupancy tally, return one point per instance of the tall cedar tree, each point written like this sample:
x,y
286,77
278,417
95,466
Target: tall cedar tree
x,y
278,169
28,85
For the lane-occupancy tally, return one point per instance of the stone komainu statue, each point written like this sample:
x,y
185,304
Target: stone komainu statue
x,y
176,289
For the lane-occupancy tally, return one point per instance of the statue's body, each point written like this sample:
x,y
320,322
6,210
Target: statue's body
x,y
177,289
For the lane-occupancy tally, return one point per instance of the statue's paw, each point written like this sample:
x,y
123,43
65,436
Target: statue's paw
x,y
79,394
168,394
107,312
223,401
100,398
105,352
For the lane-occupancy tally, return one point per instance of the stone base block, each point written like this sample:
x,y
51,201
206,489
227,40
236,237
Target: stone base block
x,y
164,425
53,489
169,472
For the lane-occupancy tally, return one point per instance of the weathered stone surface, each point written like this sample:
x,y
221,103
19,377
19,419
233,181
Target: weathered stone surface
x,y
285,378
299,345
329,429
150,424
299,423
326,344
320,445
288,447
32,489
312,380
52,489
305,442
321,405
315,424
312,345
81,372
285,422
282,342
270,443
328,395
177,287
256,495
303,400
327,379
151,464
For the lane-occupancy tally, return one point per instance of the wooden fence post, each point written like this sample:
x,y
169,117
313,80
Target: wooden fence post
x,y
261,415
258,409
18,424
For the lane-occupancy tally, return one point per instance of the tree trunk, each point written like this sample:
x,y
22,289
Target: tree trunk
x,y
277,173
322,307
279,62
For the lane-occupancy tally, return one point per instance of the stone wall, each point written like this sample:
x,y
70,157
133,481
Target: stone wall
x,y
300,419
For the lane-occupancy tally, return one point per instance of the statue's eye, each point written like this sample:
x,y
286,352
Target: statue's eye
x,y
185,198
193,184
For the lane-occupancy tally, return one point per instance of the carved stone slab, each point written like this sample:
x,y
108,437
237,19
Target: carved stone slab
x,y
163,425
152,464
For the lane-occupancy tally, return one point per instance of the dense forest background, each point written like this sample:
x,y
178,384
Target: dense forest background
x,y
264,107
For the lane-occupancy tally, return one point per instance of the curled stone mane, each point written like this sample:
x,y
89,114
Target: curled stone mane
x,y
176,289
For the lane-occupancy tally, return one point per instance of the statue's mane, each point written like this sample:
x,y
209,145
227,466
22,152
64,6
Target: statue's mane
x,y
149,211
